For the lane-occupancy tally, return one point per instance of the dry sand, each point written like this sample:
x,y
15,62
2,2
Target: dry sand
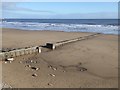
x,y
14,38
62,68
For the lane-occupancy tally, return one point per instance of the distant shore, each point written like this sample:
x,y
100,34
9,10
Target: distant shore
x,y
62,68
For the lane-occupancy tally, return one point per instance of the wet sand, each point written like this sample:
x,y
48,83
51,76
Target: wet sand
x,y
91,63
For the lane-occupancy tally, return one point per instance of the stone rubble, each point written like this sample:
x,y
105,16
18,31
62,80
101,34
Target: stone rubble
x,y
20,61
35,68
28,65
82,69
52,75
34,75
54,68
10,59
5,62
50,84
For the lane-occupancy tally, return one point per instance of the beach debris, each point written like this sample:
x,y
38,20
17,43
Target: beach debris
x,y
54,68
34,75
10,86
31,61
53,75
20,61
28,65
5,62
64,71
82,69
79,63
4,85
49,66
50,84
35,62
10,59
35,68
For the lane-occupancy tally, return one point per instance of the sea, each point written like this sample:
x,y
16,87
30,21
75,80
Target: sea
x,y
104,26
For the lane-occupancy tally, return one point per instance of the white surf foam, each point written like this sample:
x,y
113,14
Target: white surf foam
x,y
106,29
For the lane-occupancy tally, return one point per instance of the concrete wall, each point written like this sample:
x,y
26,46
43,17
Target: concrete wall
x,y
36,49
2,56
58,44
19,52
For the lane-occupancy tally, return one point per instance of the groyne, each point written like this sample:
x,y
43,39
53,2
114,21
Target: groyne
x,y
38,49
61,43
19,52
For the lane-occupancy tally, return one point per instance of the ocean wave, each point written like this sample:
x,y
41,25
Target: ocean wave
x,y
106,29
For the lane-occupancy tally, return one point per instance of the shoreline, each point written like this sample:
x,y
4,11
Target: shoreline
x,y
59,31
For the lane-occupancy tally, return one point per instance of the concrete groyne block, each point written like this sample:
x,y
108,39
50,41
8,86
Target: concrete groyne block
x,y
50,45
39,49
7,55
34,49
26,51
17,53
12,53
2,56
30,51
22,52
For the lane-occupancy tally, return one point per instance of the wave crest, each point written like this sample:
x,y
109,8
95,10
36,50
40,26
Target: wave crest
x,y
106,29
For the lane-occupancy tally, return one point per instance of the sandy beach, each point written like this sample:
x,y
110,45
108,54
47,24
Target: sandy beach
x,y
61,68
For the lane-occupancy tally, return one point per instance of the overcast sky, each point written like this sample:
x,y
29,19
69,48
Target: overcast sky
x,y
60,10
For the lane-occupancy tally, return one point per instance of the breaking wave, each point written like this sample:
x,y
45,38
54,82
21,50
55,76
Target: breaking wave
x,y
105,29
